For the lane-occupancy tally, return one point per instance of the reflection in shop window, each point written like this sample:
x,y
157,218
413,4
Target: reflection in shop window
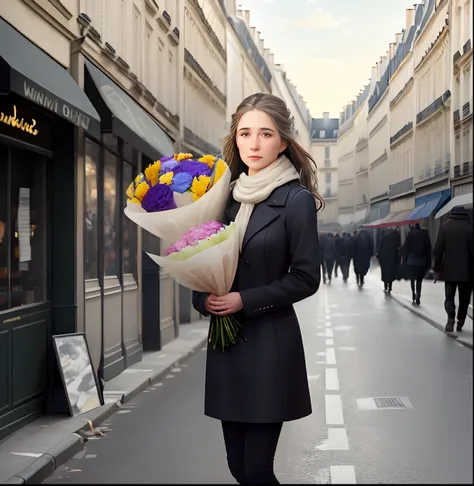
x,y
3,229
28,231
129,237
90,229
111,260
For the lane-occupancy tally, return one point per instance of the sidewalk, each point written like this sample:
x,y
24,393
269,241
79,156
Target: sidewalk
x,y
431,308
32,454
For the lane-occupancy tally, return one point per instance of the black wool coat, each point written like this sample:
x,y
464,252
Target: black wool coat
x,y
454,250
389,255
264,379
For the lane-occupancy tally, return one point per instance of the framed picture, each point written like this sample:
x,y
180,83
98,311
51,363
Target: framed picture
x,y
75,367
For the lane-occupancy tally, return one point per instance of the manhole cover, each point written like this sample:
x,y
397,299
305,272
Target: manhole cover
x,y
384,403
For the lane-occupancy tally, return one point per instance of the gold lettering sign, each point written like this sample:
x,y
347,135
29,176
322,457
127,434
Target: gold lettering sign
x,y
13,121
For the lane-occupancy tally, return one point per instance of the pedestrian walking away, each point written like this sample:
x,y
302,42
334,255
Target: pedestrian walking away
x,y
259,383
416,253
362,252
388,255
453,264
345,251
337,261
328,255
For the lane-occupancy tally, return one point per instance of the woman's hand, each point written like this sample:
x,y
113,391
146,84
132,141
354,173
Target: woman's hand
x,y
225,304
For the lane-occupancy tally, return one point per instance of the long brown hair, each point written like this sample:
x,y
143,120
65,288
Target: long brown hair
x,y
277,110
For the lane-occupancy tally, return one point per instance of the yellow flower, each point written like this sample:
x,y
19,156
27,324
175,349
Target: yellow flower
x,y
167,178
219,170
141,190
199,186
179,157
208,159
152,172
131,190
133,200
138,179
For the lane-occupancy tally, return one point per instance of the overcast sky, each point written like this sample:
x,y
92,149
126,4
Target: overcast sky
x,y
328,47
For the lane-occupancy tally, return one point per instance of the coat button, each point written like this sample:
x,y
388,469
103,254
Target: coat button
x,y
274,201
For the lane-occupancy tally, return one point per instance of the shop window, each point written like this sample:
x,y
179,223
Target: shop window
x,y
91,206
28,228
4,252
129,235
111,258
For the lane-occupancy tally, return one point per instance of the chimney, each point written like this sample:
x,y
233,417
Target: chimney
x,y
398,38
374,73
409,17
247,17
326,115
391,50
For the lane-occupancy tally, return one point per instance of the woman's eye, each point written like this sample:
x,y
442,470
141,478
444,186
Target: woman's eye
x,y
243,134
266,135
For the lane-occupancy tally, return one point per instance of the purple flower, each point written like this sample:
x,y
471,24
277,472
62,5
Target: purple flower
x,y
193,168
165,159
168,166
181,182
158,198
194,235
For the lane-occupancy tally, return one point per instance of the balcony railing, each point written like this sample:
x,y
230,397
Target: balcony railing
x,y
167,17
457,116
466,47
457,171
403,131
466,110
432,172
466,168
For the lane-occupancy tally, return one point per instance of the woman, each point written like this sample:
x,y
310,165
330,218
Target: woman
x,y
417,259
388,255
261,382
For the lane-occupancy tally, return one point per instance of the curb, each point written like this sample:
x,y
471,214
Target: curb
x,y
44,466
430,320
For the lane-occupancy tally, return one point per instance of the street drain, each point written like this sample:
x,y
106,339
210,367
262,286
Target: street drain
x,y
384,403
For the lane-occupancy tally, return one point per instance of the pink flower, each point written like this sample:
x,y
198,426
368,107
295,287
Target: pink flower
x,y
191,237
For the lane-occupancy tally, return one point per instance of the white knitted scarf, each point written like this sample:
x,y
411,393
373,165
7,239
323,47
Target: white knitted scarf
x,y
251,190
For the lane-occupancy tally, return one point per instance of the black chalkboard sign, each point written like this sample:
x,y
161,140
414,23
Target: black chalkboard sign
x,y
79,381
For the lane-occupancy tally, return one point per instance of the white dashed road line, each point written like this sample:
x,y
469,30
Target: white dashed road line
x,y
343,475
332,379
336,441
334,414
330,356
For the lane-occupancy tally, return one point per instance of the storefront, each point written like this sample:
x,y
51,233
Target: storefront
x,y
129,300
40,108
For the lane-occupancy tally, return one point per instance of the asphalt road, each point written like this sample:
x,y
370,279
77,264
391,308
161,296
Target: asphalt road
x,y
380,350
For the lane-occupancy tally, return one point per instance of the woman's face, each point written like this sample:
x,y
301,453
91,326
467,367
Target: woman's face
x,y
258,140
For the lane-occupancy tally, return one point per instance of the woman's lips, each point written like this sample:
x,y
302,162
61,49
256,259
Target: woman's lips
x,y
255,157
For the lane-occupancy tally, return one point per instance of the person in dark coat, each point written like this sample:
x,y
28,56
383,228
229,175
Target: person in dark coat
x,y
328,255
345,252
337,246
258,383
416,253
388,254
453,264
362,252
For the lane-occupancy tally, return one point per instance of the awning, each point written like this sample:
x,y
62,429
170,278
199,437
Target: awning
x,y
129,120
26,70
395,218
461,200
427,205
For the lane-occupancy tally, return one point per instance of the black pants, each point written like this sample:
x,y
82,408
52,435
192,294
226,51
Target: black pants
x,y
329,265
337,264
464,289
345,266
251,451
417,274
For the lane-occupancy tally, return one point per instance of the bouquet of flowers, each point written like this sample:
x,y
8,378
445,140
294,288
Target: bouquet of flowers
x,y
181,200
178,192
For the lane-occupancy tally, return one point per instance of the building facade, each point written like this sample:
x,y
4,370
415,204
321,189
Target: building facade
x,y
461,104
324,133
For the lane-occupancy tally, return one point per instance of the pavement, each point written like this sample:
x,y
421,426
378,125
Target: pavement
x,y
391,397
431,308
38,449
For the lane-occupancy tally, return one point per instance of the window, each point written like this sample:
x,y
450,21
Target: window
x,y
327,152
137,43
90,210
129,235
322,133
328,177
26,238
149,65
4,234
111,260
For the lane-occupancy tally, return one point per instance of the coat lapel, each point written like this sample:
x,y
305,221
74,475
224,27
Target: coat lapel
x,y
261,217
